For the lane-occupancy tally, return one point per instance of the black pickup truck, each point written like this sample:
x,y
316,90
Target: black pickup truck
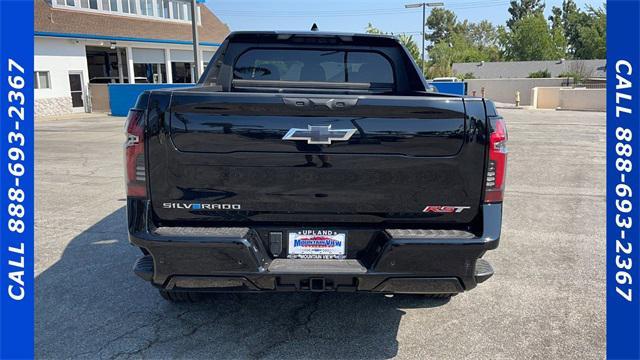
x,y
313,162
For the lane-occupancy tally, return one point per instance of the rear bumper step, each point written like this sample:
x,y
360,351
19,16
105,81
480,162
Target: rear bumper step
x,y
392,260
376,284
300,266
449,285
143,267
315,275
484,270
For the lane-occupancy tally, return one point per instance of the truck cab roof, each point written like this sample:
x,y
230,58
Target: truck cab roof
x,y
339,37
308,33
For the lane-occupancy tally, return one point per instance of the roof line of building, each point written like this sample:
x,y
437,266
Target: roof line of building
x,y
119,38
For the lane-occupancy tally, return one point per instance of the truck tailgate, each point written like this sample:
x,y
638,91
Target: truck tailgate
x,y
222,157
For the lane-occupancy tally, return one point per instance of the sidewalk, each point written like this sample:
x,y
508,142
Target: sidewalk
x,y
74,116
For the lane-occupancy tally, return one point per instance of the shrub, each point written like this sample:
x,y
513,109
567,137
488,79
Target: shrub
x,y
540,74
466,76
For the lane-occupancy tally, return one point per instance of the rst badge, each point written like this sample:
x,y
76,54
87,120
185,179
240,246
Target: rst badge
x,y
445,209
319,134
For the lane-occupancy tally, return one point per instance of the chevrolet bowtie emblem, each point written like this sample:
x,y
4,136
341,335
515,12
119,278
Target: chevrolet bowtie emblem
x,y
319,134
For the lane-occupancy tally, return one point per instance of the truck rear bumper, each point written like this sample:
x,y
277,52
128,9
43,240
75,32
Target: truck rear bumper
x,y
398,261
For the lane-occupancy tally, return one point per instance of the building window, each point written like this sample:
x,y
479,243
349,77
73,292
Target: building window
x,y
150,73
175,6
41,80
132,6
110,5
182,72
181,10
163,9
165,5
146,7
89,4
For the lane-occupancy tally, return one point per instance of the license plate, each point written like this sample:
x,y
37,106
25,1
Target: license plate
x,y
317,244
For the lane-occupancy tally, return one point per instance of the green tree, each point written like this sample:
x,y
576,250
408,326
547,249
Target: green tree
x,y
584,31
592,35
569,12
483,34
485,37
454,41
556,18
520,9
412,47
568,18
406,40
442,24
374,30
532,39
460,48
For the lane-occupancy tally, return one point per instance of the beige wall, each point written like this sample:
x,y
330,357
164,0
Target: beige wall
x,y
583,99
545,97
504,90
99,97
569,98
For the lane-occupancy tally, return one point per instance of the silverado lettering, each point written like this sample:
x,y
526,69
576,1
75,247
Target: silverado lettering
x,y
201,206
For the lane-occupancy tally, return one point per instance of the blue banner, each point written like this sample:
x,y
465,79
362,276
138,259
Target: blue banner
x,y
16,179
123,97
448,87
623,180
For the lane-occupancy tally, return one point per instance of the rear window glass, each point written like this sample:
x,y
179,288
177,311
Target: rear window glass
x,y
314,65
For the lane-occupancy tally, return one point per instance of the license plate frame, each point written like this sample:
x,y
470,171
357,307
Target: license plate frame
x,y
317,244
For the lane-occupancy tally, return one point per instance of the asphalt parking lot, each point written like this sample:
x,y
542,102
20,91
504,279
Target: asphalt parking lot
x,y
547,299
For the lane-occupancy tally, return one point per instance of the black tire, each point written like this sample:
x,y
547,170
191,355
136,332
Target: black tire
x,y
180,296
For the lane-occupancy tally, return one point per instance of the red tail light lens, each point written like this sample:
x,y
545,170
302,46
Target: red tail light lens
x,y
497,169
134,155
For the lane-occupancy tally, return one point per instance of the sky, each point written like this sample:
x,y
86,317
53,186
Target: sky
x,y
354,15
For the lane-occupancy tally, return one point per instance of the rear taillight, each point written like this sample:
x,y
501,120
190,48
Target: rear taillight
x,y
497,169
134,155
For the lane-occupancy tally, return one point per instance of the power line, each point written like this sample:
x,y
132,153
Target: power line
x,y
386,10
352,13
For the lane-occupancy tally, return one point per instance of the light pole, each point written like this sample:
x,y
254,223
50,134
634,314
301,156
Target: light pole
x,y
424,20
196,40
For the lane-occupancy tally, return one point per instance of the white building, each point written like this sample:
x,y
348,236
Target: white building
x,y
80,44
